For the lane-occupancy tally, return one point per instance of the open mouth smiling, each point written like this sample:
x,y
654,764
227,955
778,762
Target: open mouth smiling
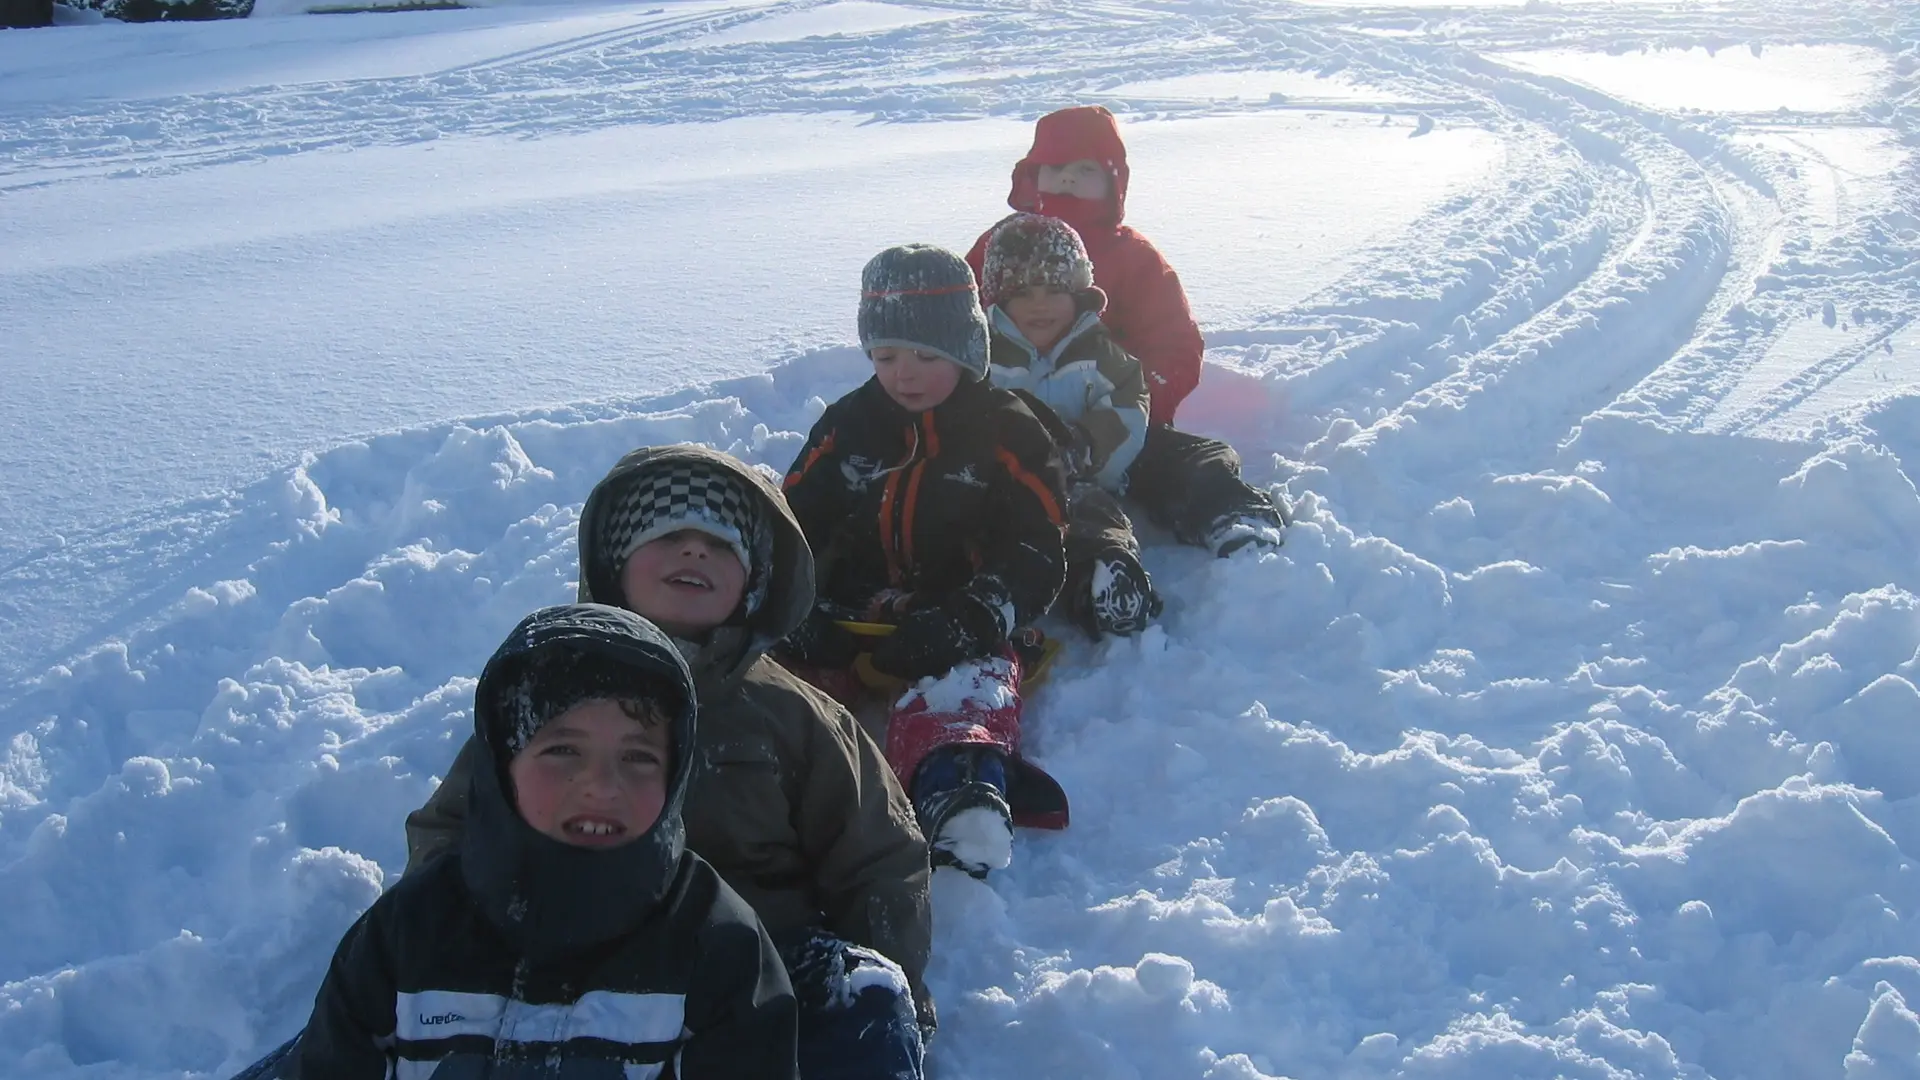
x,y
689,579
593,829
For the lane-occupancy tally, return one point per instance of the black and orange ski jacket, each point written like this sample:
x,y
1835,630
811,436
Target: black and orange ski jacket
x,y
906,510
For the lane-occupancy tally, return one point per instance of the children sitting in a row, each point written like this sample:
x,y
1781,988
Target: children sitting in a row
x,y
555,919
792,802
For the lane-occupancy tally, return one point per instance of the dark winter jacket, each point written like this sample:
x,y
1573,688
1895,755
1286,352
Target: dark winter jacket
x,y
791,801
961,502
1146,306
1088,382
571,963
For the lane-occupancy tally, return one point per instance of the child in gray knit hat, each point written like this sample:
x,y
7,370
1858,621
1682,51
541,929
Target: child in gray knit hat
x,y
921,324
936,502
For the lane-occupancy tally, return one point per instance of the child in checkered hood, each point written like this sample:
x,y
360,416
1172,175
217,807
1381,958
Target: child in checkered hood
x,y
791,801
1077,172
934,503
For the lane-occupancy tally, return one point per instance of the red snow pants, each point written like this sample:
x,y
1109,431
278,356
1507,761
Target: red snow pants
x,y
977,702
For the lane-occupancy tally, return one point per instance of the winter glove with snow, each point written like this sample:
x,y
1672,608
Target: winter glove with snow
x,y
1076,451
931,640
822,642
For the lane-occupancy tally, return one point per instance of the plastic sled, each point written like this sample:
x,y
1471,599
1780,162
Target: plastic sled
x,y
1035,649
1035,797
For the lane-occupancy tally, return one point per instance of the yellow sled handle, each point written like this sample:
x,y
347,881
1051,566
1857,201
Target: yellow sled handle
x,y
1030,680
863,664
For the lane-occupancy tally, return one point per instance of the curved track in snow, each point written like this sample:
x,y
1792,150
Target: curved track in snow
x,y
1570,735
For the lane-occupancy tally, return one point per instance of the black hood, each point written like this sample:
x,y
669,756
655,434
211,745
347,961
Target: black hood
x,y
552,899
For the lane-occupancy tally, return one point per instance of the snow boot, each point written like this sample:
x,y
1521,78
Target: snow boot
x,y
960,798
1114,595
1264,527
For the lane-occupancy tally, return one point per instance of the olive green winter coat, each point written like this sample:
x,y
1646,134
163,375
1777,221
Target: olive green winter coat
x,y
791,801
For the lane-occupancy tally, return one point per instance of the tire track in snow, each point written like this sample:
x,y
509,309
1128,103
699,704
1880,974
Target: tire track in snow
x,y
643,33
1467,275
662,73
1511,400
1783,267
525,93
1810,380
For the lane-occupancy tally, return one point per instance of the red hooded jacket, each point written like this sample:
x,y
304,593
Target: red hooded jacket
x,y
1147,311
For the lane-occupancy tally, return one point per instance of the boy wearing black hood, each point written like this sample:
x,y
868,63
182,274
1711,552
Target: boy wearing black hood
x,y
571,935
790,801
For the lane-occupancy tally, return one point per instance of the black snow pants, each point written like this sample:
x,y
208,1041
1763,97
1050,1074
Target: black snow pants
x,y
1186,483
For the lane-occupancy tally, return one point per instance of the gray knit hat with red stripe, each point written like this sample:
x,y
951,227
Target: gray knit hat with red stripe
x,y
922,297
1032,249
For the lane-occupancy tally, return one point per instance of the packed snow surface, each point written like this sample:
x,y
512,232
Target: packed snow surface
x,y
1263,86
1573,733
1791,78
407,282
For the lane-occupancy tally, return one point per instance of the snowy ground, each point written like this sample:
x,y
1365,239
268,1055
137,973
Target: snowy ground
x,y
1574,733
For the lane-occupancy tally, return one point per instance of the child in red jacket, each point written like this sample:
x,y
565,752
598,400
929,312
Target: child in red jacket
x,y
1077,171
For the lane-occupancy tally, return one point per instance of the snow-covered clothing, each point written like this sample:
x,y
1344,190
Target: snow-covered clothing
x,y
1088,382
1191,484
953,514
548,684
517,953
922,297
955,742
946,523
961,793
1147,308
791,801
1108,591
857,1019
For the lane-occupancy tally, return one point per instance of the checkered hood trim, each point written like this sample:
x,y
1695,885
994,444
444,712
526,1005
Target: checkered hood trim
x,y
690,495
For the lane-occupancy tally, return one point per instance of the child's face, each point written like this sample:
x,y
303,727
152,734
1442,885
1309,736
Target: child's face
x,y
1043,313
1084,179
688,582
595,776
916,381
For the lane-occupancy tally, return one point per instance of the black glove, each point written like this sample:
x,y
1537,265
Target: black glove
x,y
933,639
822,642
